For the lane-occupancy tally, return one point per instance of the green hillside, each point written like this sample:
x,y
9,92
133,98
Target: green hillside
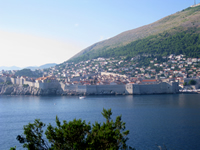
x,y
174,34
28,73
184,42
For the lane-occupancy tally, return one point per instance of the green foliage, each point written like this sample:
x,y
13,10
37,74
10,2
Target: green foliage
x,y
8,82
34,136
107,114
76,134
185,84
28,73
25,85
13,148
169,18
70,135
183,42
192,82
110,135
192,10
48,81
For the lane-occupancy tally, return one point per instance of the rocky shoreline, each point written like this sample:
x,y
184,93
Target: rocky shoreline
x,y
14,89
20,90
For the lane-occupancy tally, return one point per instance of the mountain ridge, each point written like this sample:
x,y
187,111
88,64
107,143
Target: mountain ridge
x,y
30,67
10,68
180,21
42,66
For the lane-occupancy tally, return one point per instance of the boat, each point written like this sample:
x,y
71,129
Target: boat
x,y
81,97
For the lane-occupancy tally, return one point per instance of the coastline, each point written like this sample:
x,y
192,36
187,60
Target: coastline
x,y
21,90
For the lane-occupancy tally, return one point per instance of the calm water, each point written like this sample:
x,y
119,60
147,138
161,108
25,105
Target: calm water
x,y
172,120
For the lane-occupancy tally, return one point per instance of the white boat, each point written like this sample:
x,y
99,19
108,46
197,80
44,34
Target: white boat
x,y
81,97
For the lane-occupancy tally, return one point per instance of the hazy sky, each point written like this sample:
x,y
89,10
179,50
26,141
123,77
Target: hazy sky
x,y
36,32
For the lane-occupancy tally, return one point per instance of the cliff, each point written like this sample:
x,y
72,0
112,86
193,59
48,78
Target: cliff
x,y
20,90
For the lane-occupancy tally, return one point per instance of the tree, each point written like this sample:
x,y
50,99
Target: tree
x,y
109,134
70,135
192,82
76,134
185,84
33,139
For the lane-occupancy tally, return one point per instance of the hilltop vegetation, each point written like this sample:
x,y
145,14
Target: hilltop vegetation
x,y
174,34
183,42
28,73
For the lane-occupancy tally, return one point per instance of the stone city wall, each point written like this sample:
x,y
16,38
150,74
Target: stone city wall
x,y
4,79
111,89
70,88
81,88
96,89
160,88
17,81
163,87
39,85
50,85
32,84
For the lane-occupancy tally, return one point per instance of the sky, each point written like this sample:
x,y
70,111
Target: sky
x,y
37,32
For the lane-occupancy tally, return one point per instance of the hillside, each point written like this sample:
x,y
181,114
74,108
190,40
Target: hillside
x,y
42,66
28,73
177,33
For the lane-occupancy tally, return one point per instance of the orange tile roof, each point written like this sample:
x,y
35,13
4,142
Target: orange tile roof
x,y
44,78
154,80
131,83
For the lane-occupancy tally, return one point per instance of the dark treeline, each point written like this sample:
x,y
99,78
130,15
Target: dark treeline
x,y
28,73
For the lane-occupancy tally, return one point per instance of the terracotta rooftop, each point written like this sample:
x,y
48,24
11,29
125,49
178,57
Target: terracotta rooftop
x,y
44,78
154,80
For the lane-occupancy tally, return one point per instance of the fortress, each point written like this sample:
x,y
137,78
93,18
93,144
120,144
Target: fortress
x,y
159,88
41,83
156,88
50,82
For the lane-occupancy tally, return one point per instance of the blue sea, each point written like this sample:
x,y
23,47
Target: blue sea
x,y
171,121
